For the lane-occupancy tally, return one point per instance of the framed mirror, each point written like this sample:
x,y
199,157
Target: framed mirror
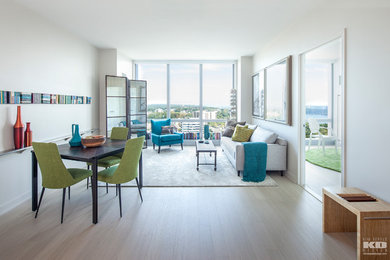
x,y
278,90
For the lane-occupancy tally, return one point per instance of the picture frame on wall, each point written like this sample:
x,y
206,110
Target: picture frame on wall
x,y
262,94
271,92
278,91
255,95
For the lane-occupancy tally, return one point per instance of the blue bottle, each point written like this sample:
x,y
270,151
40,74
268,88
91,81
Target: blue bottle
x,y
206,131
76,138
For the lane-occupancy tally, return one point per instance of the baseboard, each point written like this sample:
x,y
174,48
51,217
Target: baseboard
x,y
4,208
291,177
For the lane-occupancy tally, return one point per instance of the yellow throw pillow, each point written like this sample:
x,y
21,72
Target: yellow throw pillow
x,y
242,134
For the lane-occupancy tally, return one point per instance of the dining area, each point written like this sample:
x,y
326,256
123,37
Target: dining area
x,y
119,156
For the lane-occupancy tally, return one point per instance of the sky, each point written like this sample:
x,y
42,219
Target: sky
x,y
185,82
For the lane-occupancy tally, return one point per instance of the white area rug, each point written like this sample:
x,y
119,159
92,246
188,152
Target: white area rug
x,y
173,167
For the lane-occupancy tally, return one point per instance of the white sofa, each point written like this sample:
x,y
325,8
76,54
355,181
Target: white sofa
x,y
276,153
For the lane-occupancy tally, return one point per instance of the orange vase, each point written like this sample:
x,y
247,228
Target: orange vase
x,y
18,131
27,135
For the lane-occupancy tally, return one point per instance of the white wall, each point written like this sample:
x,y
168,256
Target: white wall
x,y
124,66
367,88
37,56
107,66
244,93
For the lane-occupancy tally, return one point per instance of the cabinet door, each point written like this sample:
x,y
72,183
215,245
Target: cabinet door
x,y
116,103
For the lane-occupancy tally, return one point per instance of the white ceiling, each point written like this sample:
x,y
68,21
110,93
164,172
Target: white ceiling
x,y
175,29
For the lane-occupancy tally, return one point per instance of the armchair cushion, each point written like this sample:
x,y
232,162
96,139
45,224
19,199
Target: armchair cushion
x,y
171,137
157,124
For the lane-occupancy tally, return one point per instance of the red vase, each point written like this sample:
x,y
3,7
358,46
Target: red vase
x,y
27,135
18,131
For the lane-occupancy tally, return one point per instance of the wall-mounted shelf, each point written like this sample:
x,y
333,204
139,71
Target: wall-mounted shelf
x,y
58,139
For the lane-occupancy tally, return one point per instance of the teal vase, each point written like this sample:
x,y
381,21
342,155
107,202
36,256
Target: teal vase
x,y
76,138
206,130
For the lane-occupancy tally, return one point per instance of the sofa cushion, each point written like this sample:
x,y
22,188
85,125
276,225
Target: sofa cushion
x,y
263,135
233,123
168,138
242,134
250,126
228,132
230,126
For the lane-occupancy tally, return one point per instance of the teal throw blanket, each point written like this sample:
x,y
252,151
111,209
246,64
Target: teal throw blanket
x,y
255,161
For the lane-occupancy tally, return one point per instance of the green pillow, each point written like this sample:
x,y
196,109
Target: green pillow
x,y
242,134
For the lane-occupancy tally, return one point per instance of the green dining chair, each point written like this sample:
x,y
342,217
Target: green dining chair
x,y
127,170
117,133
54,173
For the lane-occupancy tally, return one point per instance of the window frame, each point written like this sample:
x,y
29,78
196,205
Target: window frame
x,y
200,63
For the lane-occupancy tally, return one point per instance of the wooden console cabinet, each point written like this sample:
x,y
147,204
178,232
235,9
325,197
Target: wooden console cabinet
x,y
371,221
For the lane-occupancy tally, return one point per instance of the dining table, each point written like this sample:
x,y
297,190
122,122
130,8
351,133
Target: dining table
x,y
84,154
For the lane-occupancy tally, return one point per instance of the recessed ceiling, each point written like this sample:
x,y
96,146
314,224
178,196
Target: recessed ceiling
x,y
175,29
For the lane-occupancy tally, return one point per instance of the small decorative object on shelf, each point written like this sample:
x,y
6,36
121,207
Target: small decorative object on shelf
x,y
93,140
27,135
18,131
76,138
206,132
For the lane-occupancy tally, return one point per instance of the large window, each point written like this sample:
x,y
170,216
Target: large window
x,y
156,77
184,90
192,94
217,94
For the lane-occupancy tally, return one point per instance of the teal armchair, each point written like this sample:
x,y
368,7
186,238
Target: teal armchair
x,y
168,139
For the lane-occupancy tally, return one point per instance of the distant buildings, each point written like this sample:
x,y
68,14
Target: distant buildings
x,y
233,103
206,114
190,127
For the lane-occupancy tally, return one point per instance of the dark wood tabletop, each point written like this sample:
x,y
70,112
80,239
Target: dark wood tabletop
x,y
85,154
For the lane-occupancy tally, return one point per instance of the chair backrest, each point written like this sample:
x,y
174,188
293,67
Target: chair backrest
x,y
157,124
54,173
119,133
314,126
128,167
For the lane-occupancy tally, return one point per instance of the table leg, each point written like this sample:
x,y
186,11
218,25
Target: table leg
x,y
197,161
140,172
94,192
215,161
34,182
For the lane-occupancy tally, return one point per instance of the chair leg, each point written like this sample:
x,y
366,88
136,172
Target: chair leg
x,y
87,180
69,193
63,204
120,199
159,149
116,191
106,187
154,146
139,190
182,146
40,200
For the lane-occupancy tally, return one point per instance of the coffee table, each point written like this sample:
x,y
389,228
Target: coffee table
x,y
203,147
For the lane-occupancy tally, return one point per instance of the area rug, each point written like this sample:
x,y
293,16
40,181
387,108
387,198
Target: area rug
x,y
330,160
173,167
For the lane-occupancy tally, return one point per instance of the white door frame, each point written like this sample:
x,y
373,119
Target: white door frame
x,y
301,114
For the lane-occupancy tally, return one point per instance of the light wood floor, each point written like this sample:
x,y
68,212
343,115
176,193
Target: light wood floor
x,y
176,223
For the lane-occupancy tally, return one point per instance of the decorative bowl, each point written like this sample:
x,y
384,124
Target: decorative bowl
x,y
93,140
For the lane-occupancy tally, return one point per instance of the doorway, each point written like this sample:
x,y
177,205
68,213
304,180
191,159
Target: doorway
x,y
322,115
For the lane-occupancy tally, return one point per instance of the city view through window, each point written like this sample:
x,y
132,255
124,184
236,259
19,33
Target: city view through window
x,y
178,87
